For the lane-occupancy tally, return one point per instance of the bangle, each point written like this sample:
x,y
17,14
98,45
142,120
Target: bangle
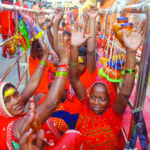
x,y
60,77
61,74
130,71
44,63
73,64
63,65
62,69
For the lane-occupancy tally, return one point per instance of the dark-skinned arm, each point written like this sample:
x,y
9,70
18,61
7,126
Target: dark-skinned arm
x,y
74,75
49,33
33,49
131,43
36,77
53,97
91,15
77,40
56,22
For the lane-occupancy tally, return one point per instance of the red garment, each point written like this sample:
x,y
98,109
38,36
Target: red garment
x,y
43,86
52,136
72,103
18,4
60,123
100,132
71,140
6,123
7,23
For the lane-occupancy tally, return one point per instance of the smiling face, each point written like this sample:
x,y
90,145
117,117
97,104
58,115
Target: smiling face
x,y
13,101
99,99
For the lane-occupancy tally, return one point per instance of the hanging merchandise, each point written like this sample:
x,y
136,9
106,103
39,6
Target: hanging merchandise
x,y
22,28
35,32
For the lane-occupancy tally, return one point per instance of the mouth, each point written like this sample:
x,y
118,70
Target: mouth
x,y
96,108
19,107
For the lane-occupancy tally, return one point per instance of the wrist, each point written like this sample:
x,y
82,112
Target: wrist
x,y
64,61
75,46
45,57
92,19
130,51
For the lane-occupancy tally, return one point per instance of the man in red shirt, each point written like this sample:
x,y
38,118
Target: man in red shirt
x,y
34,58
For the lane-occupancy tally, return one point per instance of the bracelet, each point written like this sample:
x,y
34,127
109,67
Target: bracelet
x,y
65,66
130,71
73,64
61,74
60,77
44,63
62,69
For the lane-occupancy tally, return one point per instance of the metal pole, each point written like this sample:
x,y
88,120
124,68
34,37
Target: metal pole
x,y
17,8
144,70
144,66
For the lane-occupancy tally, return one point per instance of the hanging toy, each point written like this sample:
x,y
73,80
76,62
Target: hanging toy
x,y
10,48
35,32
20,41
22,28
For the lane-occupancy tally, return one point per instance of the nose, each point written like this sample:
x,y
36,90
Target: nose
x,y
97,101
16,100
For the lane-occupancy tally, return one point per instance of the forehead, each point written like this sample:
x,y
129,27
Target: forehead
x,y
81,59
9,91
39,49
99,89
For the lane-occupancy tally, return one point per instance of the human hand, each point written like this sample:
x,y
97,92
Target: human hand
x,y
62,48
50,23
41,19
58,16
91,13
31,130
77,36
45,48
135,39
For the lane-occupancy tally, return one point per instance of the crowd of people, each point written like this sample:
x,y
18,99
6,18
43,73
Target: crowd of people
x,y
69,106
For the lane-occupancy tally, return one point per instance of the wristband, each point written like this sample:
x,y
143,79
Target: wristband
x,y
73,64
130,71
44,63
61,74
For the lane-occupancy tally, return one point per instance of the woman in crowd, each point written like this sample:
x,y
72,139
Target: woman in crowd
x,y
102,110
12,103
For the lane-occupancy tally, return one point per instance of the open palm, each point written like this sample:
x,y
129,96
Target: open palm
x,y
93,12
77,38
135,39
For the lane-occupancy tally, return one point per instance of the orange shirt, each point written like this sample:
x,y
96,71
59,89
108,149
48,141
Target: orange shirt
x,y
43,86
72,103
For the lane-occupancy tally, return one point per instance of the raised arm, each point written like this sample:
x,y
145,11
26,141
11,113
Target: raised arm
x,y
33,49
77,40
36,77
57,88
56,22
91,15
49,33
131,43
